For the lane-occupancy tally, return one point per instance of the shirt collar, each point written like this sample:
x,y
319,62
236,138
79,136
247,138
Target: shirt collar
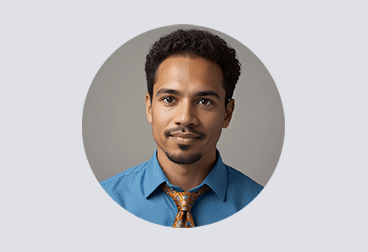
x,y
216,179
154,176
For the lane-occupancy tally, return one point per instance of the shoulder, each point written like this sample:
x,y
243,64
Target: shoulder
x,y
126,185
125,177
242,182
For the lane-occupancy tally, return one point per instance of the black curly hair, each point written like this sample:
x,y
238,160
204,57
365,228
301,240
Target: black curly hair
x,y
198,43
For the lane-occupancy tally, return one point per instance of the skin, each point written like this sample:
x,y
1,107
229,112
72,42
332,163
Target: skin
x,y
187,113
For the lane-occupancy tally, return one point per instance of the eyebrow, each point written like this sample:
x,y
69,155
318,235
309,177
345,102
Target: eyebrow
x,y
208,93
167,91
176,92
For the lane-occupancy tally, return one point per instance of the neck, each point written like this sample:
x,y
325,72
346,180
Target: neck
x,y
187,176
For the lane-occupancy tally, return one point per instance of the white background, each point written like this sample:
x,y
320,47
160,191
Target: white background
x,y
316,52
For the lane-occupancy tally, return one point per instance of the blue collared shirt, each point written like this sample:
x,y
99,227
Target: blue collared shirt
x,y
138,191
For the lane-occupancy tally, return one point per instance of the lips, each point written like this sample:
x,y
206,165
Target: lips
x,y
184,135
184,138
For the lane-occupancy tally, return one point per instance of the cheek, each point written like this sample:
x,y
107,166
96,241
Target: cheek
x,y
159,120
213,123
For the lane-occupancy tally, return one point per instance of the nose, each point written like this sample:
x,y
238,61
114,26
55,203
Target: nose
x,y
186,115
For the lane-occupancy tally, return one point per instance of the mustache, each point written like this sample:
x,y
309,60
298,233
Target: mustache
x,y
184,130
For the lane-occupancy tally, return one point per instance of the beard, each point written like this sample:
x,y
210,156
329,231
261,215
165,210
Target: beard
x,y
183,158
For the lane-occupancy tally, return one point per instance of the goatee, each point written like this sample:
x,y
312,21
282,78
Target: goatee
x,y
182,158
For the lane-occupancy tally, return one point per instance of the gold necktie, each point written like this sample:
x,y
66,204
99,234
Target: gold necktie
x,y
184,201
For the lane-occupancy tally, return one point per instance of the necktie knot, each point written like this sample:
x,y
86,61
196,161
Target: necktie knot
x,y
184,202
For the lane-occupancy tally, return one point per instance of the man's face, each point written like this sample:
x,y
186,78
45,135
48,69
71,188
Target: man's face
x,y
188,111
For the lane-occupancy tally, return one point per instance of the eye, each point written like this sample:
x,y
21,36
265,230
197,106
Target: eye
x,y
168,99
205,102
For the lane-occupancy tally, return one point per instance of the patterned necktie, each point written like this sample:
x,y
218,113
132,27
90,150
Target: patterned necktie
x,y
184,201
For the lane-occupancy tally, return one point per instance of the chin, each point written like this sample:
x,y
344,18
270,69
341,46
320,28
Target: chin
x,y
184,147
183,157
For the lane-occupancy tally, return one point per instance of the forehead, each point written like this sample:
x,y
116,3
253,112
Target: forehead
x,y
189,74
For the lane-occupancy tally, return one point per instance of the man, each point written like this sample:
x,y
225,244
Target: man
x,y
191,77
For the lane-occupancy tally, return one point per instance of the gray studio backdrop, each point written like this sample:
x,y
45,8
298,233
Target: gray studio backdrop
x,y
116,133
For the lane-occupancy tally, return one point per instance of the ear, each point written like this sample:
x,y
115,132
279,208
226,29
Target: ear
x,y
228,113
148,108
